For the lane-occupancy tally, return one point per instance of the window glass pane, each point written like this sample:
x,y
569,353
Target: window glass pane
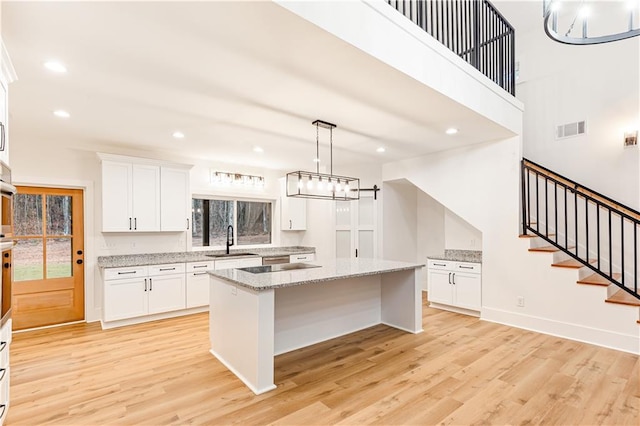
x,y
58,215
343,244
27,214
196,222
28,260
58,257
365,211
220,217
365,244
343,213
254,223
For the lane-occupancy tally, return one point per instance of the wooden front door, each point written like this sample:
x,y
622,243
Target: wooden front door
x,y
48,259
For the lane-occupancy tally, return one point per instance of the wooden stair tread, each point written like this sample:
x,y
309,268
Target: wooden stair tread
x,y
570,263
623,298
597,279
533,235
548,249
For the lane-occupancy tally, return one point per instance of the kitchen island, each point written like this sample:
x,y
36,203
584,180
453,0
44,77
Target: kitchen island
x,y
256,314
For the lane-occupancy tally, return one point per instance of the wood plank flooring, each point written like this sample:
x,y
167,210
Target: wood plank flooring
x,y
459,371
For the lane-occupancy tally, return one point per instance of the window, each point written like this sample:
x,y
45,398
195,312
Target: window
x,y
251,221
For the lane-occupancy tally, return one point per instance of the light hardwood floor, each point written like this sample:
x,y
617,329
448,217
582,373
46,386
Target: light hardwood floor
x,y
459,371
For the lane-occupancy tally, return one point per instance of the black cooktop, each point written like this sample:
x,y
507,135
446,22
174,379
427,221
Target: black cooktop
x,y
277,268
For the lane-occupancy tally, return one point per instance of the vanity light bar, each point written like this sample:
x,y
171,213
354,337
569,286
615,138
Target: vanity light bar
x,y
227,178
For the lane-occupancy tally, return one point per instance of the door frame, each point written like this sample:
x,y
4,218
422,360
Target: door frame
x,y
92,313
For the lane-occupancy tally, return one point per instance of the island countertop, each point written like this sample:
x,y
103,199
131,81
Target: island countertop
x,y
339,269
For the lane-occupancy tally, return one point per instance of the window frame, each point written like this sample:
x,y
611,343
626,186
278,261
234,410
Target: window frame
x,y
235,200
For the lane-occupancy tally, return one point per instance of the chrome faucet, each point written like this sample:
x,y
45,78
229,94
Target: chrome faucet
x,y
229,237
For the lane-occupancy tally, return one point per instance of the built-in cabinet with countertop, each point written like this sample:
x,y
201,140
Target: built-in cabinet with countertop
x,y
135,292
455,286
143,197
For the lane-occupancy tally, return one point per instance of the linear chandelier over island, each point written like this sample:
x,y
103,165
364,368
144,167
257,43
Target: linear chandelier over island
x,y
322,185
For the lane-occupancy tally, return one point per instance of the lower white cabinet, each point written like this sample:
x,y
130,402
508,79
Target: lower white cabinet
x,y
301,258
143,290
198,283
5,343
455,284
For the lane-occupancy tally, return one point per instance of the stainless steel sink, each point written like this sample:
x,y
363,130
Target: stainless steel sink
x,y
231,254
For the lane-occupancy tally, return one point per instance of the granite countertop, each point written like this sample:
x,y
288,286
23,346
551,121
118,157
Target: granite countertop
x,y
194,256
339,269
474,256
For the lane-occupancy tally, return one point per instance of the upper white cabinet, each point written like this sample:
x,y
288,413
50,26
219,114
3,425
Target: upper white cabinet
x,y
293,211
141,197
7,76
130,197
174,199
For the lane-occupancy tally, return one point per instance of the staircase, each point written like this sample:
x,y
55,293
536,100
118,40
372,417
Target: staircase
x,y
582,230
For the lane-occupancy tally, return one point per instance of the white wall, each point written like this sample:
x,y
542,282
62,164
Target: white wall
x,y
400,220
460,235
431,230
480,184
600,84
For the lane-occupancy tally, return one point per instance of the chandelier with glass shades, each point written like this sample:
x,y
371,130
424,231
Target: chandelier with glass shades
x,y
322,185
575,16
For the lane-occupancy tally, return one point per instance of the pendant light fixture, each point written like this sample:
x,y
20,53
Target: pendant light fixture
x,y
322,186
578,13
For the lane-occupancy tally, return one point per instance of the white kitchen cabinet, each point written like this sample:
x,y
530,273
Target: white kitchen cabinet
x,y
146,290
237,263
5,369
125,298
4,121
174,199
293,214
130,197
455,285
301,258
198,283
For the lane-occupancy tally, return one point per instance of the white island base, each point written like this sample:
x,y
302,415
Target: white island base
x,y
249,327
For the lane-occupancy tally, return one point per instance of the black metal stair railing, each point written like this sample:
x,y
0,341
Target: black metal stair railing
x,y
590,227
472,29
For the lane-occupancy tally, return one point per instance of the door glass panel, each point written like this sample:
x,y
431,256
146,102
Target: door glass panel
x,y
343,213
365,244
28,260
59,257
58,215
27,217
365,211
343,244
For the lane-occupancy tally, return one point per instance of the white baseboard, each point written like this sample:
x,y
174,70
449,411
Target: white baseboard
x,y
599,337
155,317
455,309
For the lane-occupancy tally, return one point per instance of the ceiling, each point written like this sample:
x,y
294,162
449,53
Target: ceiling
x,y
230,75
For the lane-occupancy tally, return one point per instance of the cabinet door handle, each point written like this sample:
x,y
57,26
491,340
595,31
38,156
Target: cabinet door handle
x,y
126,273
187,224
145,284
3,137
150,284
290,224
129,224
449,277
439,264
2,346
135,223
199,266
453,278
465,267
199,273
168,269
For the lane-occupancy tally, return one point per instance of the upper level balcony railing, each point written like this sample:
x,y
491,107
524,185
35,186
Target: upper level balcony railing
x,y
472,29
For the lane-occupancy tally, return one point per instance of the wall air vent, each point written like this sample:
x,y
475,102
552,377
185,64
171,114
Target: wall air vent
x,y
571,129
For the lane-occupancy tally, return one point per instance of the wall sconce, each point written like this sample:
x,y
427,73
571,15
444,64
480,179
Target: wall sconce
x,y
631,138
236,179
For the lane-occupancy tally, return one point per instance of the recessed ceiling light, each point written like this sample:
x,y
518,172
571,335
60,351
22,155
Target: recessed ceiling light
x,y
381,149
55,66
61,113
178,135
257,149
451,131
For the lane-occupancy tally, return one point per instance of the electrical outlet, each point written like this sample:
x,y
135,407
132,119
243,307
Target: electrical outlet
x,y
473,242
520,302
